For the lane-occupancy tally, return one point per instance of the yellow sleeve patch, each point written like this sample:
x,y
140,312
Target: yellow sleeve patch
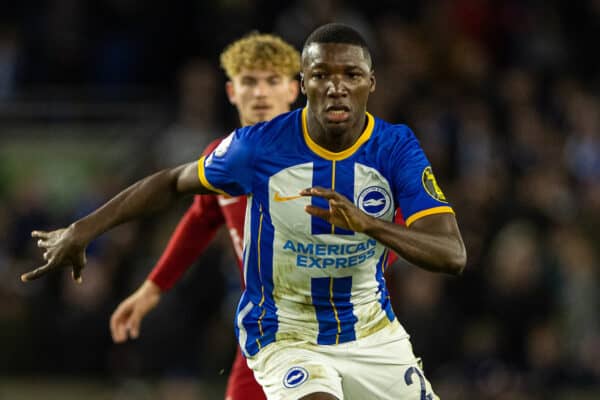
x,y
431,186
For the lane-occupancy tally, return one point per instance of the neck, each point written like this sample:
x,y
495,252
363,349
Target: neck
x,y
244,122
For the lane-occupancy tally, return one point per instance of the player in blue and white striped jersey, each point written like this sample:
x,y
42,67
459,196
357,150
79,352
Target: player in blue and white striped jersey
x,y
291,255
315,321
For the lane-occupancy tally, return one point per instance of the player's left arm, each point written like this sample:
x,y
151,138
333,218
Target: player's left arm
x,y
432,242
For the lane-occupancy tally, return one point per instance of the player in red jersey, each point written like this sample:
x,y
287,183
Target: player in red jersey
x,y
261,70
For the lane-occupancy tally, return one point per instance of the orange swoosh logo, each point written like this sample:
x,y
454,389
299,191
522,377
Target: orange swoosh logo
x,y
278,198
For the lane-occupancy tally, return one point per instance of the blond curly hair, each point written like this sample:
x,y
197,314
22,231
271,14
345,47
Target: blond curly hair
x,y
260,51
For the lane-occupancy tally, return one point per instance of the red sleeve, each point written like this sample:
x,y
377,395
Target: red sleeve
x,y
398,219
191,237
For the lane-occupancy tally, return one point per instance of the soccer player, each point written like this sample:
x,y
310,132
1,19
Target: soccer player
x,y
314,321
261,69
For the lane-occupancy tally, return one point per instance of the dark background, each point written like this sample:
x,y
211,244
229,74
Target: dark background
x,y
503,95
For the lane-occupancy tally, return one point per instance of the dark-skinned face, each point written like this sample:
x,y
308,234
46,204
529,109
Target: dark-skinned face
x,y
337,80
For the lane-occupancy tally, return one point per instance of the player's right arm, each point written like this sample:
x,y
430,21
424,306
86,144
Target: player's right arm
x,y
431,238
228,167
66,247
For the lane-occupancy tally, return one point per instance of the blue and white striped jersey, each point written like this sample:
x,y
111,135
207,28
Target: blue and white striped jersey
x,y
306,279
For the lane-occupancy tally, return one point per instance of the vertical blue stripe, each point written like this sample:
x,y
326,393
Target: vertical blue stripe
x,y
269,321
344,184
334,311
384,297
250,345
243,302
261,322
253,280
255,340
322,174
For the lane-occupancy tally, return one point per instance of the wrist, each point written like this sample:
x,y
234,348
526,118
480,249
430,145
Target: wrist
x,y
79,234
369,225
151,288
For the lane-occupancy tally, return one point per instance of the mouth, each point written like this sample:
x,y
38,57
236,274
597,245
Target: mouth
x,y
261,107
337,113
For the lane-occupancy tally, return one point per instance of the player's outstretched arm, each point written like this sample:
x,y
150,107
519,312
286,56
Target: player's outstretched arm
x,y
433,242
126,320
66,247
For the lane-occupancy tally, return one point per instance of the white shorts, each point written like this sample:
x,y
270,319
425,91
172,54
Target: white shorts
x,y
379,366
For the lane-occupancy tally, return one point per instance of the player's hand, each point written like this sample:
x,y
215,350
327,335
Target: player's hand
x,y
125,322
62,250
341,213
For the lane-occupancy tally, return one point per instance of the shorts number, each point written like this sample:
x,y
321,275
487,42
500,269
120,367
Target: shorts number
x,y
408,378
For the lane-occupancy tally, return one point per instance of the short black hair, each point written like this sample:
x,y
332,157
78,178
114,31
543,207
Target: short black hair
x,y
337,33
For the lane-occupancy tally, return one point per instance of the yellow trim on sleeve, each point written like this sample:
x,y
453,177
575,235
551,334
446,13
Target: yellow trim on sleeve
x,y
330,155
205,181
429,211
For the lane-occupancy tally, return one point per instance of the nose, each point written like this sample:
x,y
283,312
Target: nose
x,y
260,90
336,87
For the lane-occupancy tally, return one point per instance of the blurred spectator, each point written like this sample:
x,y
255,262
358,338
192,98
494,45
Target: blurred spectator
x,y
9,53
300,18
579,300
582,150
517,287
195,125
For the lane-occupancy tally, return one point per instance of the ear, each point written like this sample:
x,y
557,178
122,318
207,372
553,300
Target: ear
x,y
302,88
373,83
230,90
293,90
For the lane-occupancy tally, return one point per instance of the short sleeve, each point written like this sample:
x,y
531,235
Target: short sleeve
x,y
228,168
415,187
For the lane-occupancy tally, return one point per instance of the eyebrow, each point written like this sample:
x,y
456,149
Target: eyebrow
x,y
345,66
270,76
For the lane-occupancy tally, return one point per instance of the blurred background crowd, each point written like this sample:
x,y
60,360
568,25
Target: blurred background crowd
x,y
503,95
